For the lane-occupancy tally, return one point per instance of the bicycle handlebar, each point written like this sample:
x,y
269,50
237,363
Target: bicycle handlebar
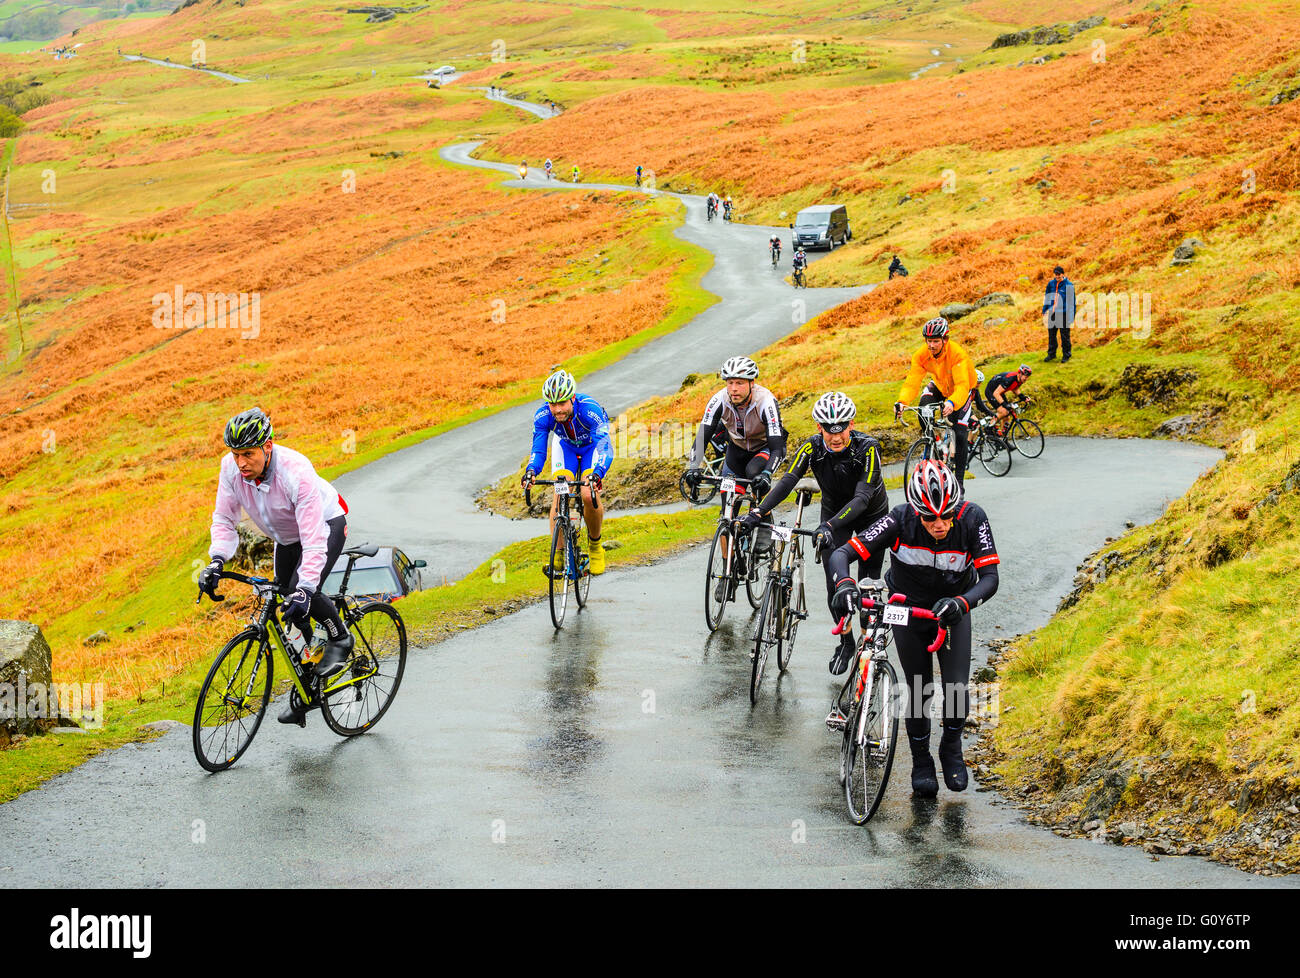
x,y
528,496
226,575
916,612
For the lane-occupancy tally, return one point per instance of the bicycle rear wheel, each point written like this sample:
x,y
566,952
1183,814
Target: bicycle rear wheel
x,y
1026,437
559,573
716,572
996,460
767,635
232,701
356,697
873,735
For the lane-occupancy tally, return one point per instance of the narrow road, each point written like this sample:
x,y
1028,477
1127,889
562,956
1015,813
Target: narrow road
x,y
422,498
172,64
621,751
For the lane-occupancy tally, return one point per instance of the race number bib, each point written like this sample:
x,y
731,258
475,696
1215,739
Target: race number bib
x,y
897,614
561,488
728,485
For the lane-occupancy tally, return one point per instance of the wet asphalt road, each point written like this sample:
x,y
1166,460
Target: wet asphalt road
x,y
422,498
619,751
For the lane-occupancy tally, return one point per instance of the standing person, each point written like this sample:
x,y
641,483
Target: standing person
x,y
953,385
846,465
580,450
306,517
1058,313
943,558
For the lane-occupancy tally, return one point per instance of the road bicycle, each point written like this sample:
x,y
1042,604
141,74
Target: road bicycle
x,y
712,468
776,255
936,441
869,723
1023,435
233,698
990,448
784,603
730,560
711,209
570,570
798,277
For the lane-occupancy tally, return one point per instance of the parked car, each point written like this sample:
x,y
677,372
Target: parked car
x,y
820,226
445,70
387,576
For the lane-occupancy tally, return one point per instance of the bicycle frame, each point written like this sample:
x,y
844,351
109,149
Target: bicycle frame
x,y
564,513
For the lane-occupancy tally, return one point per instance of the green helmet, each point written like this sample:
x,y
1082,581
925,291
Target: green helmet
x,y
248,429
560,386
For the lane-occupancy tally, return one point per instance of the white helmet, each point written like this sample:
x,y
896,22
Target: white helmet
x,y
979,376
741,368
834,411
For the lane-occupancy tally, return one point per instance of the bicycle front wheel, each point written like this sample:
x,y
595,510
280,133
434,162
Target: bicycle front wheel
x,y
920,450
359,694
1027,438
559,573
753,580
995,459
717,582
793,607
232,701
873,735
767,635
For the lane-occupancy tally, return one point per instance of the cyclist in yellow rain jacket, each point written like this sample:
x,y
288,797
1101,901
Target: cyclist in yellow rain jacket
x,y
953,381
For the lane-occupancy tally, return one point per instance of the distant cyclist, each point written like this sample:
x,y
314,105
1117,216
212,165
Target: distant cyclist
x,y
549,175
997,389
284,497
726,208
944,559
523,170
954,381
575,173
774,246
749,414
638,174
846,465
578,429
711,203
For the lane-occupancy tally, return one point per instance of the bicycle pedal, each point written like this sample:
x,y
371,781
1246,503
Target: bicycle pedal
x,y
800,615
836,721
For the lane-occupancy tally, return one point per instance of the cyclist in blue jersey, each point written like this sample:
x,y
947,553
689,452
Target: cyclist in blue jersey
x,y
580,428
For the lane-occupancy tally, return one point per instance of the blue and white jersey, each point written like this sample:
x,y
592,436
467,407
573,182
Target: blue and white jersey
x,y
587,425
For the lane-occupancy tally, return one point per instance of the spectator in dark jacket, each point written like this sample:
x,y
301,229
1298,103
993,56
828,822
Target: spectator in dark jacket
x,y
896,268
1058,313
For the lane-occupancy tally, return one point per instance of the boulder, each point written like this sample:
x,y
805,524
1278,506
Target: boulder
x,y
253,549
956,310
24,666
994,299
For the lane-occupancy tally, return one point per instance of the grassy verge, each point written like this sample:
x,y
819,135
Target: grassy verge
x,y
503,584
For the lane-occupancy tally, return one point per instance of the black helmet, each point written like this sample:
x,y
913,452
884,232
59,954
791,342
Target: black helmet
x,y
248,429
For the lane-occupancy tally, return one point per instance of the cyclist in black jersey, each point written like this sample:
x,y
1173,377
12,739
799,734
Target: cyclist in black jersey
x,y
846,464
944,559
997,389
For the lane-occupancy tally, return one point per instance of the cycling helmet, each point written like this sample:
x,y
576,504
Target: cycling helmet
x,y
741,368
833,411
979,376
1024,369
936,327
560,386
933,490
248,429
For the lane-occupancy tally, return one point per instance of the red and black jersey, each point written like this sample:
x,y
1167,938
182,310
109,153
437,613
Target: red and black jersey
x,y
962,564
1009,382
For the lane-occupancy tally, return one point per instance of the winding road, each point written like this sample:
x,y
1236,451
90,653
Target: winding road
x,y
621,751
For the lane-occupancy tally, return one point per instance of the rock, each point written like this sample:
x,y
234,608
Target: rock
x,y
613,544
1286,95
1092,825
995,321
253,548
1044,184
1144,384
163,725
95,638
1130,524
956,310
1179,427
24,663
905,198
995,299
1128,830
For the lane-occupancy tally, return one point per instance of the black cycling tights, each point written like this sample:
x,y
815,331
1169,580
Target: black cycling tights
x,y
287,558
918,667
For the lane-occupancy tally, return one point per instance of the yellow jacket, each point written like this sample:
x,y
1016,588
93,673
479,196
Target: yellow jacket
x,y
952,371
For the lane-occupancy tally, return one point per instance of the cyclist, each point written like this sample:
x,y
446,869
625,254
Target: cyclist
x,y
846,465
712,203
997,389
638,174
575,172
954,380
749,414
774,246
580,450
284,497
799,263
726,208
943,558
523,169
548,168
